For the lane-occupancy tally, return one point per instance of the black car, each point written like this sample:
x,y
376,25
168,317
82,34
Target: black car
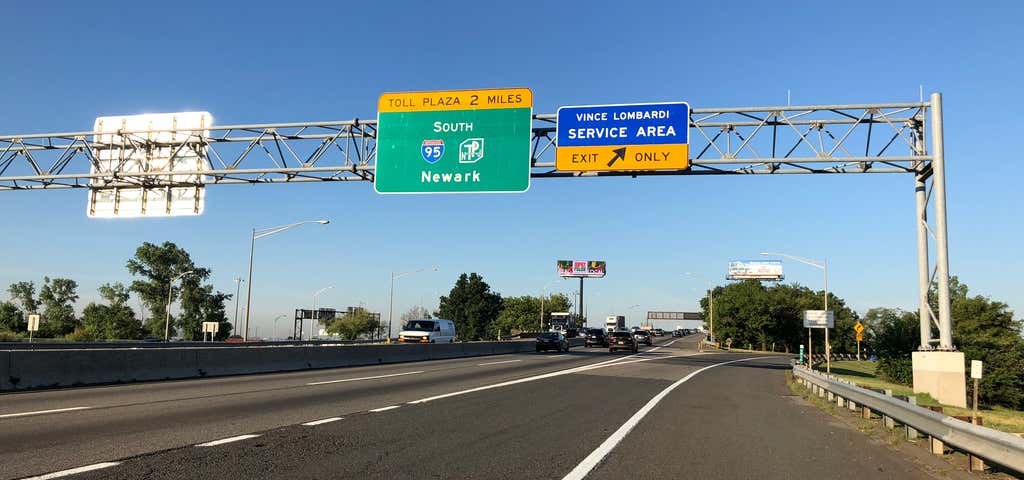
x,y
620,340
659,332
677,333
552,341
596,337
643,336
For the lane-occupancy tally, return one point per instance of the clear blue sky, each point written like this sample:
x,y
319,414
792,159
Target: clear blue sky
x,y
258,62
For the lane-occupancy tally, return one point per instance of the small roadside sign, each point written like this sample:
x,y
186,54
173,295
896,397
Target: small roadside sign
x,y
631,137
859,328
33,322
976,368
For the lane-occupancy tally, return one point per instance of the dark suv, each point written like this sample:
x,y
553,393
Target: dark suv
x,y
622,340
596,337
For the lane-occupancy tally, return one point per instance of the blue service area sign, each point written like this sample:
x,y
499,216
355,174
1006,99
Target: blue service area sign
x,y
648,136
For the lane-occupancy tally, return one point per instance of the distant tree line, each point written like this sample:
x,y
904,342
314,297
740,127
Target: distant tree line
x,y
751,313
153,267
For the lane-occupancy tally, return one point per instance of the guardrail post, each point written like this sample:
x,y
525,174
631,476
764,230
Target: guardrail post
x,y
975,464
839,401
887,420
936,446
911,431
865,413
821,392
852,404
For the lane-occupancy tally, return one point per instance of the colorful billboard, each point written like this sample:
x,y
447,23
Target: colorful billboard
x,y
755,269
581,268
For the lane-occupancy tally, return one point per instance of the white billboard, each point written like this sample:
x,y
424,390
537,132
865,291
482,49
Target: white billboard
x,y
160,142
755,269
818,319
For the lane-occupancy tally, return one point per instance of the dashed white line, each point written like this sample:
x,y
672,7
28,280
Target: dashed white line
x,y
43,412
321,422
384,409
595,457
496,363
227,440
73,471
365,378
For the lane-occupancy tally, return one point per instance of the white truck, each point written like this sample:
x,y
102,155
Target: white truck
x,y
615,322
564,323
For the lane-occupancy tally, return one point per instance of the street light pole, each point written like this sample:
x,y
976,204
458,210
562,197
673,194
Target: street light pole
x,y
823,265
314,313
238,288
266,232
167,311
391,294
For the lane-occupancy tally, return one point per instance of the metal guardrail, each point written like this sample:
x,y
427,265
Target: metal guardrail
x,y
993,446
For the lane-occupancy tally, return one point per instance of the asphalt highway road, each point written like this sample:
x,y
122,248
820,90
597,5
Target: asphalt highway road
x,y
668,412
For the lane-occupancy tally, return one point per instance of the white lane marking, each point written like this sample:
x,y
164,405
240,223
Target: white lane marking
x,y
522,380
595,457
227,440
322,422
73,471
553,356
365,378
496,363
384,409
43,412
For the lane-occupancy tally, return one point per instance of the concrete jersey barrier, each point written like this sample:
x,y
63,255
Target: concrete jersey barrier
x,y
53,368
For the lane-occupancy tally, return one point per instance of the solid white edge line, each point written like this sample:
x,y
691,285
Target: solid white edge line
x,y
365,378
43,412
384,409
73,471
322,421
595,457
496,363
227,440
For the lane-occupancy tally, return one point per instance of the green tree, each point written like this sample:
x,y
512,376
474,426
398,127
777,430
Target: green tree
x,y
24,293
114,320
57,297
157,265
472,306
893,335
523,313
11,318
202,304
984,329
353,325
415,313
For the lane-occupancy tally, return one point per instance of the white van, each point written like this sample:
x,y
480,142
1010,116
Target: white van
x,y
427,330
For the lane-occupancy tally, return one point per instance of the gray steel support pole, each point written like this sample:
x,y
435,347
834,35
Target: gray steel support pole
x,y
238,289
248,295
828,347
581,301
941,240
923,283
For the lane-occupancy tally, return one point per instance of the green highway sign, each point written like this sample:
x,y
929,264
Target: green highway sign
x,y
461,141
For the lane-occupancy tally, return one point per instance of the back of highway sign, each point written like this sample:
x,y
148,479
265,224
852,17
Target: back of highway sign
x,y
457,141
644,136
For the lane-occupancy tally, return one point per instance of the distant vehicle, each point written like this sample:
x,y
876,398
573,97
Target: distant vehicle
x,y
234,339
552,341
596,337
564,323
622,340
643,336
659,332
677,333
634,329
427,330
614,322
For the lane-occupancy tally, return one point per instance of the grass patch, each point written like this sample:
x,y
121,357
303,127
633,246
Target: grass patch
x,y
863,374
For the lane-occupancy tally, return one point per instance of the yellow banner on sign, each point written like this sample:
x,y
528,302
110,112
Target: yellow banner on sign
x,y
860,337
623,158
445,100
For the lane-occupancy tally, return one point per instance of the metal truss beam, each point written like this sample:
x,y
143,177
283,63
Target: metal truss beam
x,y
816,139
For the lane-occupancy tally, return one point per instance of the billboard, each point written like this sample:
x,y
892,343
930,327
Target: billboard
x,y
581,268
674,316
819,319
755,269
153,143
